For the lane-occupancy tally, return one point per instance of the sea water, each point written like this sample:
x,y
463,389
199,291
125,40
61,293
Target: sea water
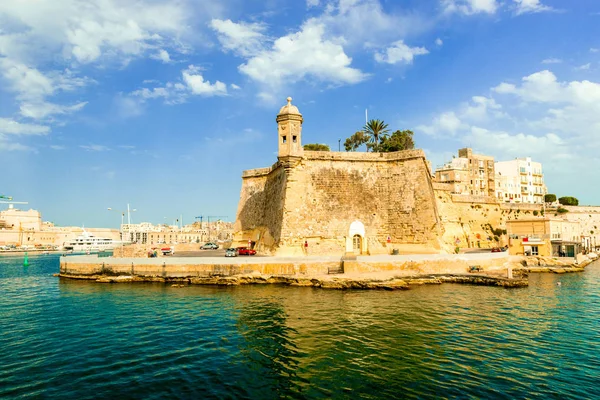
x,y
71,339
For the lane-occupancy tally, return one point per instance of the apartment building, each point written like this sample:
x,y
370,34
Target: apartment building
x,y
547,237
520,181
469,173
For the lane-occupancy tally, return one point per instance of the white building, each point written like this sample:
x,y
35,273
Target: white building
x,y
520,181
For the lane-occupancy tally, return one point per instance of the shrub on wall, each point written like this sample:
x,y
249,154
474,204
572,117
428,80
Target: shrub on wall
x,y
316,147
561,210
568,201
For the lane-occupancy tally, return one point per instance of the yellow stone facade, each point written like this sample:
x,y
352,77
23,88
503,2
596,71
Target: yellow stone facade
x,y
317,203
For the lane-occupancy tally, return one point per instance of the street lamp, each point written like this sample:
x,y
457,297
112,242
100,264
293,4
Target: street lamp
x,y
128,211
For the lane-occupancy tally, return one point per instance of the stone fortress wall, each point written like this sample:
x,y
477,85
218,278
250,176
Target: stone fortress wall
x,y
337,202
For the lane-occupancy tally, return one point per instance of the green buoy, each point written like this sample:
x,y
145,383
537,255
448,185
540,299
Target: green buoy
x,y
26,260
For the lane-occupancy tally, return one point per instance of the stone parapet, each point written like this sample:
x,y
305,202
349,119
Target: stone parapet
x,y
359,156
249,173
465,198
445,187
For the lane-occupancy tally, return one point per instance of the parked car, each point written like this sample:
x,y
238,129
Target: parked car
x,y
231,252
244,251
209,246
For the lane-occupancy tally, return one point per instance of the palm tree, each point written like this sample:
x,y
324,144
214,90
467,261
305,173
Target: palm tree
x,y
374,128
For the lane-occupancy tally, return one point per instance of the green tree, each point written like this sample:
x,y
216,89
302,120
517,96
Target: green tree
x,y
355,141
550,198
568,201
399,140
316,147
374,129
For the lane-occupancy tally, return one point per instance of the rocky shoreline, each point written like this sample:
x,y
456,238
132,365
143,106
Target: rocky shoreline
x,y
512,274
324,282
554,265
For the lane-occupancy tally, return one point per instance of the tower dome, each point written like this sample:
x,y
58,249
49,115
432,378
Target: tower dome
x,y
289,108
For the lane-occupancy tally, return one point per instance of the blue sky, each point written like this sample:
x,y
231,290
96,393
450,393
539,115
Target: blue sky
x,y
162,104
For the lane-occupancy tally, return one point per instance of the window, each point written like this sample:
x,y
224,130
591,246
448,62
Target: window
x,y
294,139
284,139
535,250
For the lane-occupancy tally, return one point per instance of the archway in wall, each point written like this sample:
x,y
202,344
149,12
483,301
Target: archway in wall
x,y
356,238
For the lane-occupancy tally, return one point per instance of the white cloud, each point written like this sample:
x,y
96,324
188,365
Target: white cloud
x,y
530,6
544,87
95,147
11,127
6,145
163,56
445,123
400,53
365,23
85,30
538,87
479,109
197,85
244,39
470,7
594,50
312,3
234,86
552,61
507,144
584,67
57,147
192,83
41,110
298,55
439,42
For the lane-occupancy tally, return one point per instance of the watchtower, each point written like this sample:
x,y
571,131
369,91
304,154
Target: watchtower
x,y
289,127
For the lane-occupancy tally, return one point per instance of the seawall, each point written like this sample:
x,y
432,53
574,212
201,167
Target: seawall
x,y
375,272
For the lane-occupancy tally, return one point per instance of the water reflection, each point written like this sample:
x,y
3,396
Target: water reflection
x,y
78,339
268,349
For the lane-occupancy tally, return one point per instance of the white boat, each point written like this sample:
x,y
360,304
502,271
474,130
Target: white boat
x,y
88,243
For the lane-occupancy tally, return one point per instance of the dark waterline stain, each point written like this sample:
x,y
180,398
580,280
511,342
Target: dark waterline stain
x,y
82,340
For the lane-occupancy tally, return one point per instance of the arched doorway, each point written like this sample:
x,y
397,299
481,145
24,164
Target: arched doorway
x,y
357,244
355,241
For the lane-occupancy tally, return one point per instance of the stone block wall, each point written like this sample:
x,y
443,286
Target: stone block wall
x,y
260,210
315,198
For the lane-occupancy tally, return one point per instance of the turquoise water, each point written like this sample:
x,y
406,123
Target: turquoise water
x,y
82,340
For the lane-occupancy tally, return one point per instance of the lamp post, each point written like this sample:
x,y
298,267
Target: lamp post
x,y
339,144
122,212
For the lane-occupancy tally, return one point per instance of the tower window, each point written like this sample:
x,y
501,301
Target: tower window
x,y
284,139
294,139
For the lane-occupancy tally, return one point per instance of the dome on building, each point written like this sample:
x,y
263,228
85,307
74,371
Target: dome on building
x,y
289,108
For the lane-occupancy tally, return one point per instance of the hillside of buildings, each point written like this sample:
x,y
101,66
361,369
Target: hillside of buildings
x,y
483,203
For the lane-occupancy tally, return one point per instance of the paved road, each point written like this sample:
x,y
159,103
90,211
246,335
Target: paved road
x,y
205,253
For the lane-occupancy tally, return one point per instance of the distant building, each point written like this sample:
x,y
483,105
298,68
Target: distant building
x,y
508,188
471,174
520,181
13,218
25,228
147,233
544,237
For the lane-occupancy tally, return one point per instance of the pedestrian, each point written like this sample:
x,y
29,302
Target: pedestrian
x,y
306,247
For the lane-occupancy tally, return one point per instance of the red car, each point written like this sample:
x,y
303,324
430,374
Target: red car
x,y
244,251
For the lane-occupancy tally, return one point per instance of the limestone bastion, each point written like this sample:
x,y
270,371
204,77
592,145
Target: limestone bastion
x,y
335,203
